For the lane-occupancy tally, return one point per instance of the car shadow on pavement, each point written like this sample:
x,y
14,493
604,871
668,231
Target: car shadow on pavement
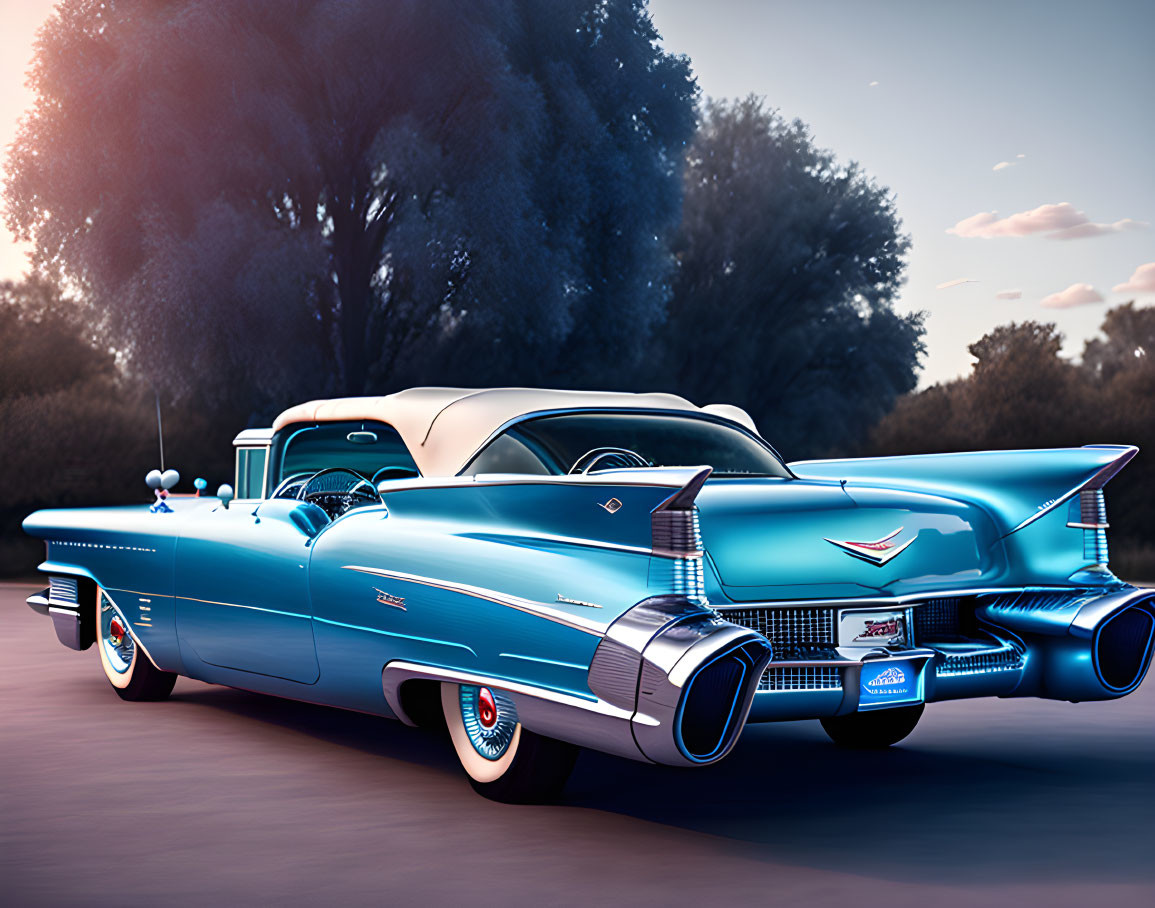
x,y
975,814
965,810
371,734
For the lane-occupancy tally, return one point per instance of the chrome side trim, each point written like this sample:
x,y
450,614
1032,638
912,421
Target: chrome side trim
x,y
588,626
609,479
576,541
590,722
1097,481
127,624
1044,511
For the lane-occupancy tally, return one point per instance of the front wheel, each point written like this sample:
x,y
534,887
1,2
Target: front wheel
x,y
875,729
129,670
504,761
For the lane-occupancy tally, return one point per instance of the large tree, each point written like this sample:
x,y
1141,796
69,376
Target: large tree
x,y
316,196
788,263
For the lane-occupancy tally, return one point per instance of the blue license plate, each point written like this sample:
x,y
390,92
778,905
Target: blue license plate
x,y
886,683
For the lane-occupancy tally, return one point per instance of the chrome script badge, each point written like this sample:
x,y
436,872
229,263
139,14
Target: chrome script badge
x,y
389,599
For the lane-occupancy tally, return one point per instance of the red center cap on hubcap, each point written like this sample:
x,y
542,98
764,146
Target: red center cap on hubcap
x,y
486,708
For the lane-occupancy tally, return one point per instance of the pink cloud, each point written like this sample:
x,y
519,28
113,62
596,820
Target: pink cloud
x,y
1075,295
1142,281
1057,222
1009,295
1003,165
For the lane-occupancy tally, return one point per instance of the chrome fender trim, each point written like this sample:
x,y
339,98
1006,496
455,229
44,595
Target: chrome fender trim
x,y
664,693
648,661
592,723
1091,615
1081,649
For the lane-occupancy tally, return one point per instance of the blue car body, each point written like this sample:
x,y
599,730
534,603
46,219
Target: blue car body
x,y
644,611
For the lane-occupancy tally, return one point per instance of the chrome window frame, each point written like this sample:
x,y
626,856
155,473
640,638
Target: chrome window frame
x,y
640,411
247,448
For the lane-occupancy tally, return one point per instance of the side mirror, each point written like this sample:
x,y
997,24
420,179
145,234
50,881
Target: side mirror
x,y
225,494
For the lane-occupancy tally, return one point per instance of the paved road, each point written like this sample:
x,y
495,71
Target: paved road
x,y
222,797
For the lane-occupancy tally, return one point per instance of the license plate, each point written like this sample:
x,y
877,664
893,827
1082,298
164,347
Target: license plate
x,y
886,628
886,683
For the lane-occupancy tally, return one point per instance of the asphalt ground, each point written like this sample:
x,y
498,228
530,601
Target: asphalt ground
x,y
220,797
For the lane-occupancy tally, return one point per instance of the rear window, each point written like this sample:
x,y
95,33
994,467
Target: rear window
x,y
557,443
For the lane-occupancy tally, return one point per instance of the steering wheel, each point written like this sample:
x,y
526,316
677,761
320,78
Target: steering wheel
x,y
608,459
393,472
290,486
336,490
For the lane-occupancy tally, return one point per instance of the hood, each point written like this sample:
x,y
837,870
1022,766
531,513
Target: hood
x,y
787,539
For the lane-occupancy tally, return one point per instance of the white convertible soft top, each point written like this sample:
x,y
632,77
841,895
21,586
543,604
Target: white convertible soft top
x,y
444,427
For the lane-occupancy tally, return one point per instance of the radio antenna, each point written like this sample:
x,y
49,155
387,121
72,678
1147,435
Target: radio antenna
x,y
159,429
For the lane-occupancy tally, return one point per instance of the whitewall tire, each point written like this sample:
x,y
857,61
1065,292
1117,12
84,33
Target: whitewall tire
x,y
504,761
126,665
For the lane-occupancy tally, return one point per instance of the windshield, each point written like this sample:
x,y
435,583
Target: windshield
x,y
368,448
553,445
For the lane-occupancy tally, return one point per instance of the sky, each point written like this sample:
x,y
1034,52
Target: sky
x,y
19,20
1018,138
973,113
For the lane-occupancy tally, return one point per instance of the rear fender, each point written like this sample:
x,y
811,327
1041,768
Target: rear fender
x,y
1015,487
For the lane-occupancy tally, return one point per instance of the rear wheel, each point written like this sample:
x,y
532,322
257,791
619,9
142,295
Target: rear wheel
x,y
504,761
875,729
129,670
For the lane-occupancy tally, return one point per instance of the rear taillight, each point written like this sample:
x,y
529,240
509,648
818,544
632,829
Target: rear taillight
x,y
1088,512
677,539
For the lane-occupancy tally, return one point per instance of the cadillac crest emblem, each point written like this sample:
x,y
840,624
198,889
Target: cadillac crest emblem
x,y
878,552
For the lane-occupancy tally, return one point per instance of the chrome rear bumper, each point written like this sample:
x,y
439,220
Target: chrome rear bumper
x,y
1057,644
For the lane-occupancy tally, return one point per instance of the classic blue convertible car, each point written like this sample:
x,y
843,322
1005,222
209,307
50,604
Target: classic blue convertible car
x,y
547,570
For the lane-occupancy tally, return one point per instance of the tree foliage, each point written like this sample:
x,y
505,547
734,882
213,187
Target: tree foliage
x,y
788,263
1128,342
74,429
286,197
1023,393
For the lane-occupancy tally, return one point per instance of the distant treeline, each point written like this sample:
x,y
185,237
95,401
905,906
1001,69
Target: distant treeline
x,y
1023,394
77,429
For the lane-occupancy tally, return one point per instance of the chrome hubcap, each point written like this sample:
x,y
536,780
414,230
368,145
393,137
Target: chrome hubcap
x,y
490,719
119,647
